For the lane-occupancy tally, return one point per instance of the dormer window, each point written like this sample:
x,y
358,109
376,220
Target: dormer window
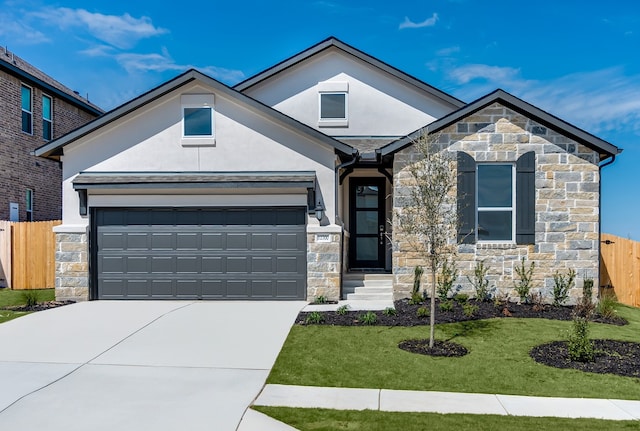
x,y
333,101
198,126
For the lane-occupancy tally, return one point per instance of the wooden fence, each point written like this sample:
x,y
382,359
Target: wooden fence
x,y
27,254
620,268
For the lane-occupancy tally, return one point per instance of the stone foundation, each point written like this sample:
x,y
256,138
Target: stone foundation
x,y
72,266
324,249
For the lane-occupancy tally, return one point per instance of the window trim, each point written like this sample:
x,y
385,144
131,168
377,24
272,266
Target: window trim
x,y
333,87
45,120
22,110
511,208
29,204
198,101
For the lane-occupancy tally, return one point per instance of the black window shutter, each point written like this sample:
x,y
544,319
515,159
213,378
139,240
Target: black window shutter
x,y
466,199
526,198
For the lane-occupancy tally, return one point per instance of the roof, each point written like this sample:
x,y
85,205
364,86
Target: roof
x,y
26,72
604,148
278,179
333,42
54,148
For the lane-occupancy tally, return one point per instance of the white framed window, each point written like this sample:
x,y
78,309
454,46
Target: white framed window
x,y
26,101
47,117
495,197
29,204
198,119
333,104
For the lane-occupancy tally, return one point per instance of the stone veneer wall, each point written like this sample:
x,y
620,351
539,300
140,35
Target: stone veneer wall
x,y
324,249
566,202
72,266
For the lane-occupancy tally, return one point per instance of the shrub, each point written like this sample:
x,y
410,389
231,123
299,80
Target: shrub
x,y
607,305
423,312
480,282
369,318
321,299
579,346
314,318
524,284
416,298
585,306
561,286
30,297
446,305
390,311
469,309
417,277
461,298
448,275
342,310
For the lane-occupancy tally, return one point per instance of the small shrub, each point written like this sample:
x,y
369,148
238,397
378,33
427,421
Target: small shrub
x,y
416,298
524,284
314,318
579,346
585,306
480,282
446,278
537,301
321,299
417,277
423,312
461,298
607,305
369,318
446,306
342,310
390,311
469,309
561,286
30,297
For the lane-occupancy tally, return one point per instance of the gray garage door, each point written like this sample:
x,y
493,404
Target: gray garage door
x,y
239,253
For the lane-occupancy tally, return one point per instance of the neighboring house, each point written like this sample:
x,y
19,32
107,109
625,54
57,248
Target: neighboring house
x,y
35,109
286,184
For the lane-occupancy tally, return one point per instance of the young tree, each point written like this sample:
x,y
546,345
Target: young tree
x,y
429,218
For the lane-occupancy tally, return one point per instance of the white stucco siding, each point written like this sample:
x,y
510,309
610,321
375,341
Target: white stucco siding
x,y
151,140
379,104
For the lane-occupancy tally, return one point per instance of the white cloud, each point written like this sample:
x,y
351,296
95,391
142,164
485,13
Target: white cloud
x,y
444,52
13,29
429,22
121,31
470,72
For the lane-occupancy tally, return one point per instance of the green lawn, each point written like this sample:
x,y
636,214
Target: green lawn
x,y
10,298
330,420
498,362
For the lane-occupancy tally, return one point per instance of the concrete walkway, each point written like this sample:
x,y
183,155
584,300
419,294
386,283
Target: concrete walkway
x,y
444,402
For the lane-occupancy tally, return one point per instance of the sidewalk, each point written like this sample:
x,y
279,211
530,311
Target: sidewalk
x,y
438,402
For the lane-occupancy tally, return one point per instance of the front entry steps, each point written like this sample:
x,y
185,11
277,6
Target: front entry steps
x,y
367,287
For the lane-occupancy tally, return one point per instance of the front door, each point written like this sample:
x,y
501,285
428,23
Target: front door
x,y
367,223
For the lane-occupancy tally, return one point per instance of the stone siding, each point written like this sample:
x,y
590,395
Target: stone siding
x,y
324,250
72,266
566,204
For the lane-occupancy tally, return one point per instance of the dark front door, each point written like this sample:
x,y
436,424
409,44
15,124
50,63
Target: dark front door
x,y
367,223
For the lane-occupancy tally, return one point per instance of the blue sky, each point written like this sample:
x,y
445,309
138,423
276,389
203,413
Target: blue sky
x,y
578,60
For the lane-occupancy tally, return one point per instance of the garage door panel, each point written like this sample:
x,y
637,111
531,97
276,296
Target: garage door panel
x,y
200,253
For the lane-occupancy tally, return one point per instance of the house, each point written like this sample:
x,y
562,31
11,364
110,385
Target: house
x,y
285,185
35,109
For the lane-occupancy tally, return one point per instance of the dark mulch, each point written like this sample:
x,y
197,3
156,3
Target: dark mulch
x,y
612,357
440,348
406,314
41,306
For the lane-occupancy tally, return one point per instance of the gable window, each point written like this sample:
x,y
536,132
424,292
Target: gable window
x,y
47,117
495,199
29,206
198,119
27,110
333,104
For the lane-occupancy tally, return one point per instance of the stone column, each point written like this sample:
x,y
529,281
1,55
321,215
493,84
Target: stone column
x,y
72,264
324,248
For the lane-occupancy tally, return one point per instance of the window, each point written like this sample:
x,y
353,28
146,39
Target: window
x,y
47,117
197,119
27,114
29,206
495,198
333,104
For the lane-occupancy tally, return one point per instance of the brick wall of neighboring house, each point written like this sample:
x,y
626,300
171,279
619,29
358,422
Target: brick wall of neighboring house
x,y
566,204
19,170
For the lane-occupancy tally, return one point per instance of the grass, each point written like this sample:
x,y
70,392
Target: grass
x,y
9,298
326,420
498,362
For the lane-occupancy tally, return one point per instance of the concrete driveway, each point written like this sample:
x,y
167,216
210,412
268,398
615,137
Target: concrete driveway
x,y
132,365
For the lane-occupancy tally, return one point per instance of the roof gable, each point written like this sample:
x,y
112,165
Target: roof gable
x,y
54,148
604,148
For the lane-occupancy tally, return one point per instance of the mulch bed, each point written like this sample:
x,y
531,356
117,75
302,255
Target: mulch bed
x,y
440,348
41,306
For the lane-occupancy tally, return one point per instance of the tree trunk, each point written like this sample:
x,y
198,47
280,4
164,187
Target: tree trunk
x,y
432,315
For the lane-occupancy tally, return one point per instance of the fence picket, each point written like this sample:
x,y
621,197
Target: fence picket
x,y
620,268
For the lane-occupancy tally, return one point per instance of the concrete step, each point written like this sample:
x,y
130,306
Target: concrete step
x,y
370,296
373,289
368,276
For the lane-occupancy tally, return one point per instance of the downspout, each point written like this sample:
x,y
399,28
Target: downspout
x,y
607,163
355,155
